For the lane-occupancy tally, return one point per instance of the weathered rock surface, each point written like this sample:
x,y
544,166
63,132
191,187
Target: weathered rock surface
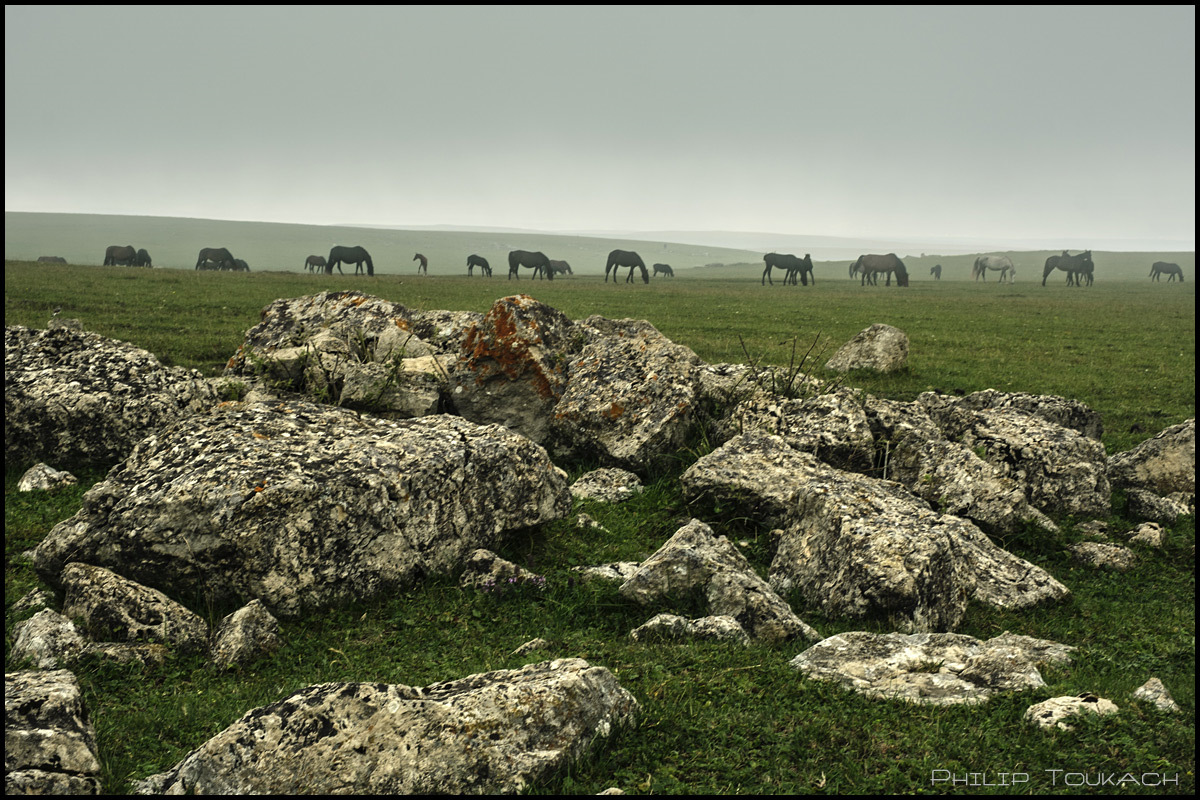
x,y
301,505
79,398
607,485
629,401
857,546
116,609
834,427
1063,472
49,743
1057,410
489,572
1053,712
1163,465
49,640
1154,692
880,347
43,478
696,562
512,365
491,733
675,629
930,668
246,635
1102,555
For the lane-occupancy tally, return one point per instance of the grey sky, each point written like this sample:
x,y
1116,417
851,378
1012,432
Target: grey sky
x,y
998,123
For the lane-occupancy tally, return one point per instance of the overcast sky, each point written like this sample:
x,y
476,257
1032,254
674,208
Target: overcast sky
x,y
996,123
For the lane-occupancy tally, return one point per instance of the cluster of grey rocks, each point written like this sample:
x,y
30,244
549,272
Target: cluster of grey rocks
x,y
355,446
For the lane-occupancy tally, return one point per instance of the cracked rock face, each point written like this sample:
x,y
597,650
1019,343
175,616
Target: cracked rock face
x,y
857,546
1164,465
302,506
49,743
491,733
72,397
930,668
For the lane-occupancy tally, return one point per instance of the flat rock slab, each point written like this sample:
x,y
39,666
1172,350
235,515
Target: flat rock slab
x,y
930,668
301,505
49,743
491,733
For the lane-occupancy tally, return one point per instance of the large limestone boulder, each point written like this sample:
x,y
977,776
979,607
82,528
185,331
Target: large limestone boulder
x,y
631,399
930,668
1164,465
695,562
302,505
858,546
1063,472
512,365
880,347
349,349
492,733
72,397
1058,410
49,743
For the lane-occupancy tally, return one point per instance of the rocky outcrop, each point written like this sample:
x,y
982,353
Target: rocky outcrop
x,y
930,668
1164,465
857,546
695,563
75,398
880,347
49,743
1052,713
256,501
492,733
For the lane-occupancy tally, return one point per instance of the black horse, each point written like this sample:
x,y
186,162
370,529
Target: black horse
x,y
1160,268
664,269
423,266
1078,268
315,263
478,261
533,260
218,257
351,255
240,266
142,259
936,272
118,256
872,265
790,263
553,268
625,258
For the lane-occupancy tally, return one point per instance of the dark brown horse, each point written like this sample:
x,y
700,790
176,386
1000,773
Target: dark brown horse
x,y
351,255
315,263
664,269
423,267
142,259
791,264
532,260
218,257
1159,268
936,272
1078,268
119,256
871,266
625,258
474,261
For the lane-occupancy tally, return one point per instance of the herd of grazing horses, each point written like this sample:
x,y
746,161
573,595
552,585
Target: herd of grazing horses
x,y
1079,268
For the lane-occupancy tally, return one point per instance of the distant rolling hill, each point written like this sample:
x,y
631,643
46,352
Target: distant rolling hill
x,y
175,242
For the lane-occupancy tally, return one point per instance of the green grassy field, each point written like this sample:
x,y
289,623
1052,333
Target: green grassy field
x,y
714,718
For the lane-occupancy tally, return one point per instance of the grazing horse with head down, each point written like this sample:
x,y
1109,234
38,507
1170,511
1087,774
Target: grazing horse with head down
x,y
554,268
1160,268
663,269
1001,264
1078,268
119,256
423,267
218,257
142,259
936,272
625,258
532,259
474,261
356,255
872,265
315,263
791,264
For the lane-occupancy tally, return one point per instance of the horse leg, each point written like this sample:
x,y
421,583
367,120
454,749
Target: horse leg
x,y
766,276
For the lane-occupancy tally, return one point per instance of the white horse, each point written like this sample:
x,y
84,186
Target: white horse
x,y
1001,264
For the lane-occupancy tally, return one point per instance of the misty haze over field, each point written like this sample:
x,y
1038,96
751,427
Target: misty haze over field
x,y
982,127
